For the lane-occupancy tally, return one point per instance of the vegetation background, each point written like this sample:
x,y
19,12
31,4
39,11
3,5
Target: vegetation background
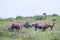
x,y
31,34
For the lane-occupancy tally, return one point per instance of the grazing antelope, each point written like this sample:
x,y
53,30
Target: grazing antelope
x,y
43,26
18,26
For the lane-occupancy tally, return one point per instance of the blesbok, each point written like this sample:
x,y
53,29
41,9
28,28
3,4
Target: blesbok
x,y
43,26
18,26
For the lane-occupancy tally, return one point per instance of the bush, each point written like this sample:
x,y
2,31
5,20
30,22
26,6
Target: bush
x,y
1,19
53,19
39,17
54,15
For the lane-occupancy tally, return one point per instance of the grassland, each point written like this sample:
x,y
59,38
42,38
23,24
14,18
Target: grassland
x,y
31,34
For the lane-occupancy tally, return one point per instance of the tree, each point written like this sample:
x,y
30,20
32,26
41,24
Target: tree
x,y
18,17
44,14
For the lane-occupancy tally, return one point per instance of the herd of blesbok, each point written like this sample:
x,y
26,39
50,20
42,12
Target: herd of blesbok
x,y
18,26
